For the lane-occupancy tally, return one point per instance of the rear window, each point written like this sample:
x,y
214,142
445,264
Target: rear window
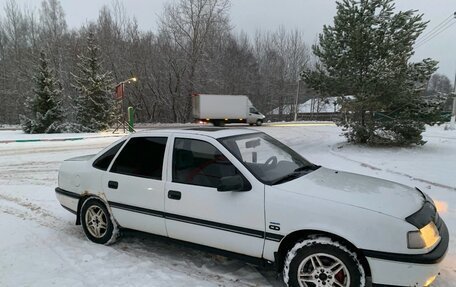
x,y
105,159
142,157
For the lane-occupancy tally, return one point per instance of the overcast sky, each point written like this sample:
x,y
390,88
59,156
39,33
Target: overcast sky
x,y
308,16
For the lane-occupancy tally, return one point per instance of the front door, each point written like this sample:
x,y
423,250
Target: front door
x,y
134,185
198,213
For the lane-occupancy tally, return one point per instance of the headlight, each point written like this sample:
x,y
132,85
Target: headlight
x,y
425,237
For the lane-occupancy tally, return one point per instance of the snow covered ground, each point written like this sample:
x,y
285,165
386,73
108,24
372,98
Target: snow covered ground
x,y
41,246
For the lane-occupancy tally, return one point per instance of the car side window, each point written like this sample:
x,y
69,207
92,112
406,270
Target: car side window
x,y
199,163
142,157
105,159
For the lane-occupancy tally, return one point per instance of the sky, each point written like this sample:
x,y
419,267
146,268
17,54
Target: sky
x,y
308,16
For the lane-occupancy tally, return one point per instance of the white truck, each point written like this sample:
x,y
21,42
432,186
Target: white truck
x,y
223,109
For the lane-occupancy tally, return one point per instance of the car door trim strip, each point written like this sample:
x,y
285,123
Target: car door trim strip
x,y
67,193
274,237
186,219
136,209
216,225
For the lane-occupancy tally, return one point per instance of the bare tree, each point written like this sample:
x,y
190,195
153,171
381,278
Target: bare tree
x,y
53,28
16,61
191,24
281,55
53,38
194,50
439,84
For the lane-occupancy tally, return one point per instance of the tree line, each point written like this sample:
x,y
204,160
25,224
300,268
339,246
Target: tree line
x,y
194,50
365,54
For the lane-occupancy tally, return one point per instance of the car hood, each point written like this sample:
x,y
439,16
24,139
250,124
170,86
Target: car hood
x,y
362,191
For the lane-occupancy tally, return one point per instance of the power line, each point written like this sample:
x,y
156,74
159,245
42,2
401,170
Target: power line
x,y
436,34
436,31
446,20
442,26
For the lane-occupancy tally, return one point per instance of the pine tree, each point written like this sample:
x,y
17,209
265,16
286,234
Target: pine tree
x,y
366,54
94,105
44,106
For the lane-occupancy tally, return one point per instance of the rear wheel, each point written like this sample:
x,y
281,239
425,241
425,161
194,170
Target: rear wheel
x,y
322,262
96,222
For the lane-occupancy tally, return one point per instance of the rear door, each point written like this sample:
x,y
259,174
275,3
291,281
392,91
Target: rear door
x,y
198,213
134,184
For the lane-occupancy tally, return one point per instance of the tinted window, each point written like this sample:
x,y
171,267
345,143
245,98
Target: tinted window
x,y
142,156
105,159
199,163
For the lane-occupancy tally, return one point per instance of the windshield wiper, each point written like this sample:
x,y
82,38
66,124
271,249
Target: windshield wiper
x,y
298,172
286,178
311,167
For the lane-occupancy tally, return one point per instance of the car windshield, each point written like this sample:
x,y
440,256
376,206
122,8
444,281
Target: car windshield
x,y
268,160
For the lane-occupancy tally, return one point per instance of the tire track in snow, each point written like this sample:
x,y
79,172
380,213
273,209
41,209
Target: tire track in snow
x,y
33,172
16,151
334,152
26,210
29,211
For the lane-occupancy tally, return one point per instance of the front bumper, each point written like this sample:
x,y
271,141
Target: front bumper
x,y
391,269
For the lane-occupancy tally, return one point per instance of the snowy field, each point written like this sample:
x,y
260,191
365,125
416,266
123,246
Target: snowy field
x,y
41,246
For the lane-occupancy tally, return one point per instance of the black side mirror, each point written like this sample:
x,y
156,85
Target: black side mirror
x,y
232,183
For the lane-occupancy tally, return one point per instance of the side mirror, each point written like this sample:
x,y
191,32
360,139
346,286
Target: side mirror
x,y
232,183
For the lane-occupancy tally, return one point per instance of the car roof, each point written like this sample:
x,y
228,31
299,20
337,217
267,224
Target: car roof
x,y
213,132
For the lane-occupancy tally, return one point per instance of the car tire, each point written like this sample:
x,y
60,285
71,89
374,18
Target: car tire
x,y
97,222
259,122
322,262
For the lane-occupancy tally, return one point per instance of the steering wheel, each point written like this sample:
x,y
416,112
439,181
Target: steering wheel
x,y
271,162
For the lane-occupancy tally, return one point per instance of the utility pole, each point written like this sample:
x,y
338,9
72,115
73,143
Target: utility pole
x,y
296,102
453,114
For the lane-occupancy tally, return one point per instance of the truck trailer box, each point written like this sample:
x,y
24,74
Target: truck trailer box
x,y
221,109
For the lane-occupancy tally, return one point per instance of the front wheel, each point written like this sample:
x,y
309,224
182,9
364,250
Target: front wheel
x,y
259,122
322,262
96,222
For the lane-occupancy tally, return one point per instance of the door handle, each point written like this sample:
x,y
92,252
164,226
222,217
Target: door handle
x,y
113,184
173,194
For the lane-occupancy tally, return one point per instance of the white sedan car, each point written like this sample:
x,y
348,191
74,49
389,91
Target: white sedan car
x,y
242,192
